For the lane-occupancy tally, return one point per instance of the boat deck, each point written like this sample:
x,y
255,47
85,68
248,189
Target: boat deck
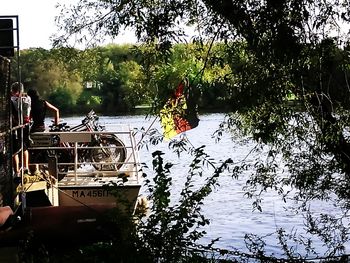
x,y
85,182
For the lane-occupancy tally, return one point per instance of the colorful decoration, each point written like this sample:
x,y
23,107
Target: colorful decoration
x,y
180,112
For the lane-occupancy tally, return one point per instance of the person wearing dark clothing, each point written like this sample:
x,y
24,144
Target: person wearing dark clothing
x,y
38,111
38,114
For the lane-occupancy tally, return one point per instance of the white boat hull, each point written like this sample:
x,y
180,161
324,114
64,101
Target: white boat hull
x,y
97,195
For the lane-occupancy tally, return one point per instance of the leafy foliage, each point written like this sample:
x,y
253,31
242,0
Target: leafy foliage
x,y
121,77
173,224
170,229
269,52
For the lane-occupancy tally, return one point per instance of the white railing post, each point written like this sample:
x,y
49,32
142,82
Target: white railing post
x,y
75,161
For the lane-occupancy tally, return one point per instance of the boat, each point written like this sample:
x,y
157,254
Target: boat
x,y
88,181
65,200
69,207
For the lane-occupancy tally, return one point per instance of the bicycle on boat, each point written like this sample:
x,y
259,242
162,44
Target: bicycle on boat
x,y
104,151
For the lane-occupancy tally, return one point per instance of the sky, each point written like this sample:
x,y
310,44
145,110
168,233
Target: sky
x,y
36,21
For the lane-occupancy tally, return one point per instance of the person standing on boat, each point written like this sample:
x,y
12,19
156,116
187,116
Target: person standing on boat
x,y
21,106
38,115
38,111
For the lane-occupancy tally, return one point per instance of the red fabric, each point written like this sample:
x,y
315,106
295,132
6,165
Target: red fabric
x,y
179,90
181,124
179,113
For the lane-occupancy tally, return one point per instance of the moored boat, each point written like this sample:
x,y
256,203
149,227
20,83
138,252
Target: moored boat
x,y
71,206
84,172
88,179
84,175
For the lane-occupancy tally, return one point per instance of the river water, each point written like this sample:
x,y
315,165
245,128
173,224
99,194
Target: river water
x,y
230,212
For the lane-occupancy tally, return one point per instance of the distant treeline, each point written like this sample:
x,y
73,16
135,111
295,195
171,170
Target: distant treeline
x,y
115,79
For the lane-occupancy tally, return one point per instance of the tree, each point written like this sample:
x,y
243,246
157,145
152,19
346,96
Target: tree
x,y
131,77
62,98
44,70
288,48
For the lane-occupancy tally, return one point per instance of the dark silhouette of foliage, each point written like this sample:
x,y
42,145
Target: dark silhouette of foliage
x,y
162,233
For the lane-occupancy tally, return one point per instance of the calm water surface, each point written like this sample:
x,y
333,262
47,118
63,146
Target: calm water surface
x,y
230,213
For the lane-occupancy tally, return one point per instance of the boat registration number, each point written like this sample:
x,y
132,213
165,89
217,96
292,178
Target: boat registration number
x,y
90,193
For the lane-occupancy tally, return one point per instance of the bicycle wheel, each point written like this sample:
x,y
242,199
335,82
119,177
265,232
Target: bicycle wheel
x,y
110,158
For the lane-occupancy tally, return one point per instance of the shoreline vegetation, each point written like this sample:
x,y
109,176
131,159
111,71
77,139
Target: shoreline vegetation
x,y
114,79
143,110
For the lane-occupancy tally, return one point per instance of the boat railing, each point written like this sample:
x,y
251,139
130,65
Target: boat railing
x,y
122,166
